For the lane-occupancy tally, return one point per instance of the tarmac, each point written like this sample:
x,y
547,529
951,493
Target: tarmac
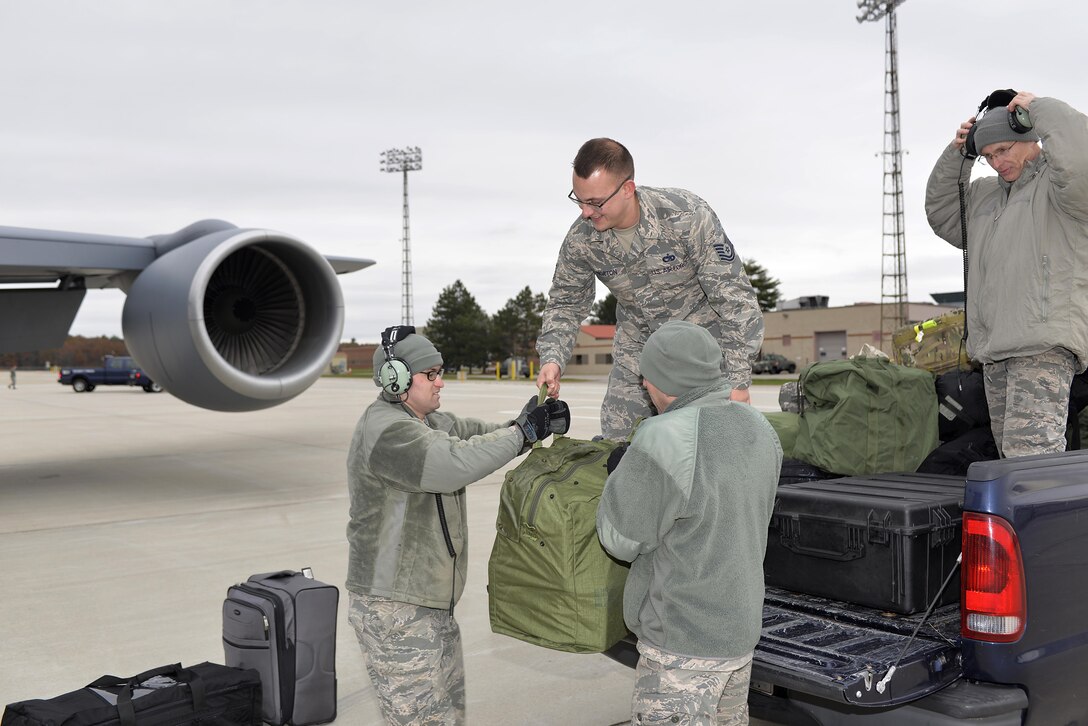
x,y
125,516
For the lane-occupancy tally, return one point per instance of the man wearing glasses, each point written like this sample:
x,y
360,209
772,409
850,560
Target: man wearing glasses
x,y
1027,252
408,466
664,255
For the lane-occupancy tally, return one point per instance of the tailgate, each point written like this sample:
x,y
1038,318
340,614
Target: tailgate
x,y
842,653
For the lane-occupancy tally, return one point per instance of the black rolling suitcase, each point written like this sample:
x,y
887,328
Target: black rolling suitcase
x,y
204,694
283,625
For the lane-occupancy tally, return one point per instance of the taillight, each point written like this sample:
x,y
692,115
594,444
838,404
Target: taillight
x,y
993,602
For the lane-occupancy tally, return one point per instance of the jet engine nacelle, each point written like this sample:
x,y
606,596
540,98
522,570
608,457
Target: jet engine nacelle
x,y
234,319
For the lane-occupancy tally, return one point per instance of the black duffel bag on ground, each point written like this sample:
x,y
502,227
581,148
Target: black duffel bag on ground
x,y
206,694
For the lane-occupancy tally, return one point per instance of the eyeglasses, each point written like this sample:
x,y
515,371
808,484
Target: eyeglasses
x,y
432,374
597,205
988,159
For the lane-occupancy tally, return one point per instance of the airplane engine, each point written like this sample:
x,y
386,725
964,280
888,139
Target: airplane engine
x,y
234,319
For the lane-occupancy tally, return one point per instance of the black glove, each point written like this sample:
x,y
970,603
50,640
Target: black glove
x,y
533,403
615,456
558,416
534,424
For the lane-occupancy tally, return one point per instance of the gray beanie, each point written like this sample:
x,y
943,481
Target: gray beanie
x,y
993,128
679,357
415,350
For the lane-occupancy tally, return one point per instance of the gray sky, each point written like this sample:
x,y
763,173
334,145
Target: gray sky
x,y
137,117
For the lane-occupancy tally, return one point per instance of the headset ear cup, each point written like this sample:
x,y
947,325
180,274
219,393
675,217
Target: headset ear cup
x,y
969,143
395,376
1020,120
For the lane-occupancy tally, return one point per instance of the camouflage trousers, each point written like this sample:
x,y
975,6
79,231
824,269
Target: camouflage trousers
x,y
1029,401
673,689
625,402
414,658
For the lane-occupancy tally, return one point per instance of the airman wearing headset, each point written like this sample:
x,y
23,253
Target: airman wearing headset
x,y
408,466
1025,232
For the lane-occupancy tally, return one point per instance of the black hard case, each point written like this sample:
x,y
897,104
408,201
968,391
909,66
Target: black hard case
x,y
206,693
283,625
885,541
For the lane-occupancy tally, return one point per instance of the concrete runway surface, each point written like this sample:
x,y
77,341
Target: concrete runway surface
x,y
124,517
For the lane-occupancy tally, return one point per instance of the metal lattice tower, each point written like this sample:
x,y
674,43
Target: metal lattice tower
x,y
893,272
404,160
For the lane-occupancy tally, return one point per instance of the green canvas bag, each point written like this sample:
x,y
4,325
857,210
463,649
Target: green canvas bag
x,y
550,582
866,416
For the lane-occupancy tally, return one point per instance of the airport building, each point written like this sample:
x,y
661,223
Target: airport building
x,y
592,353
806,330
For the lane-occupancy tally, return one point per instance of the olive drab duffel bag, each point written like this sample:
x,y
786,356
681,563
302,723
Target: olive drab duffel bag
x,y
550,582
866,416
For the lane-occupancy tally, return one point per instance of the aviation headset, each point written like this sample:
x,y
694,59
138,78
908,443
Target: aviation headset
x,y
1019,120
395,375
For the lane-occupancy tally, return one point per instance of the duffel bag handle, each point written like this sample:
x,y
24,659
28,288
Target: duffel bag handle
x,y
126,712
115,681
541,396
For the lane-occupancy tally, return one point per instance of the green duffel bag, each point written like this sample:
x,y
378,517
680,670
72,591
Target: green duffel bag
x,y
550,582
866,416
786,425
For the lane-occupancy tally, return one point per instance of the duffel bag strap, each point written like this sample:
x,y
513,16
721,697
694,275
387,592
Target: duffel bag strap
x,y
540,398
126,712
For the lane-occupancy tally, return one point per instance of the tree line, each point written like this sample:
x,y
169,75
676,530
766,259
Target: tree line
x,y
76,351
469,338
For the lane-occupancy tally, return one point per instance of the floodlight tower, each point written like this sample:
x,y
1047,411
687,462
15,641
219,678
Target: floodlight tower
x,y
410,158
893,273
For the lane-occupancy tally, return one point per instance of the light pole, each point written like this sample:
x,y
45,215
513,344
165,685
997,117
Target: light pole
x,y
893,273
410,158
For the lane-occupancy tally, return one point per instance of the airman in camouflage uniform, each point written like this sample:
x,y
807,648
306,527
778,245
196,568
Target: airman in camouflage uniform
x,y
664,255
408,466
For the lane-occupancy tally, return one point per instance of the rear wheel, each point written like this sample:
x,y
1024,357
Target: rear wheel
x,y
152,388
79,385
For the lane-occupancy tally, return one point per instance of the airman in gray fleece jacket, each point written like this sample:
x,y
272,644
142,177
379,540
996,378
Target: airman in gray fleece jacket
x,y
408,466
1027,243
688,505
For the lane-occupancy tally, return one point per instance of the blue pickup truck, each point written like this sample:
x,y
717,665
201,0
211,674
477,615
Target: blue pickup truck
x,y
117,370
1011,649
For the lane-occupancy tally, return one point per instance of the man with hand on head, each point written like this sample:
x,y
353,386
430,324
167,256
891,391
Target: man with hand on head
x,y
408,466
1027,252
688,505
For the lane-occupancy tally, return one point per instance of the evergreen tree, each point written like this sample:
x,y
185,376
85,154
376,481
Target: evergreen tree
x,y
604,311
516,325
459,328
765,285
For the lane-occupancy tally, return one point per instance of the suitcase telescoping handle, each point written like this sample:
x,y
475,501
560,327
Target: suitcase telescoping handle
x,y
126,712
306,572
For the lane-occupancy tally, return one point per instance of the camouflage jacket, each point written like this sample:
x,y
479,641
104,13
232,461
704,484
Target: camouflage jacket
x,y
681,266
689,505
396,465
1027,242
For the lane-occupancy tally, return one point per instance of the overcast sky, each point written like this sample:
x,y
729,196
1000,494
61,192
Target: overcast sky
x,y
137,117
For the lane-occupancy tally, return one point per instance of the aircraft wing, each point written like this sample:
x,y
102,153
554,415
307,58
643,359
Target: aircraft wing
x,y
224,318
